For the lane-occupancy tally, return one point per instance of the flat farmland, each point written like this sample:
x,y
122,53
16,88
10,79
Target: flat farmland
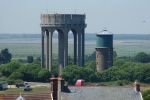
x,y
22,50
22,46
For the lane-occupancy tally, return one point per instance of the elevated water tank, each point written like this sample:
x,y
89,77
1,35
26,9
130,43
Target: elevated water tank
x,y
104,50
104,39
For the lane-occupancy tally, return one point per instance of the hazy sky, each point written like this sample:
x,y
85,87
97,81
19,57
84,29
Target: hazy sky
x,y
118,16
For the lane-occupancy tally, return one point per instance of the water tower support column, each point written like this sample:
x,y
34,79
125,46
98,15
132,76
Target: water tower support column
x,y
75,48
47,49
83,48
42,45
61,49
50,50
66,49
79,49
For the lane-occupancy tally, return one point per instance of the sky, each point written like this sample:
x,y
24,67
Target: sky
x,y
117,16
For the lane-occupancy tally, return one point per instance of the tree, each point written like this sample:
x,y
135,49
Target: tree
x,y
30,71
146,95
1,59
70,60
30,59
43,75
26,72
5,56
114,54
91,57
16,75
38,58
55,70
91,65
71,73
9,68
142,57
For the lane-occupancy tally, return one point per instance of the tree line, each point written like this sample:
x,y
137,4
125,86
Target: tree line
x,y
27,72
124,68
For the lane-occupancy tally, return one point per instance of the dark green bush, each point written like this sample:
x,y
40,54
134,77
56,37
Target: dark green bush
x,y
142,57
146,95
30,59
16,75
26,72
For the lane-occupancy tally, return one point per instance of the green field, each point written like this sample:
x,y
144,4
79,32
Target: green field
x,y
131,47
123,48
20,90
22,50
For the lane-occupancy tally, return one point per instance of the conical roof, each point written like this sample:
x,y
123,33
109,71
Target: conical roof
x,y
104,32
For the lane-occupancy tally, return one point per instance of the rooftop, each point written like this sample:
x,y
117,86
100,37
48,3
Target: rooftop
x,y
101,93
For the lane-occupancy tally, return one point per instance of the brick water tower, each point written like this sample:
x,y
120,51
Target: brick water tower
x,y
104,50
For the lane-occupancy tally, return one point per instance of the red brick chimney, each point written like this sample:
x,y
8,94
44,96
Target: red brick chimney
x,y
56,87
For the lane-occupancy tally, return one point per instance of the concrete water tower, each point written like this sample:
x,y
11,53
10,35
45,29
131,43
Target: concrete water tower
x,y
63,24
104,50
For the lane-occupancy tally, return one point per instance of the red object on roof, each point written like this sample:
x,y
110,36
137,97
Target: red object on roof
x,y
79,82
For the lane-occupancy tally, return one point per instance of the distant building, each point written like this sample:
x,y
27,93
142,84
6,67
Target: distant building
x,y
104,50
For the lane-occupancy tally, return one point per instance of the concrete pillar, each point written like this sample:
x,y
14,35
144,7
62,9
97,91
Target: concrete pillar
x,y
47,49
75,48
50,50
61,49
66,49
42,45
82,49
79,49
